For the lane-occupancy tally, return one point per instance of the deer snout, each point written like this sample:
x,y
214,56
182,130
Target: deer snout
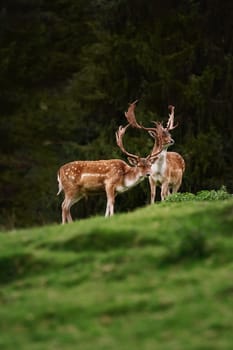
x,y
148,173
145,175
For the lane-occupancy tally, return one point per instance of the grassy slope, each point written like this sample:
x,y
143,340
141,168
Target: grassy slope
x,y
158,278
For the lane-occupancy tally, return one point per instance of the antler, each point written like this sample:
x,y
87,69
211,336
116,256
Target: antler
x,y
159,144
170,123
155,132
119,136
130,116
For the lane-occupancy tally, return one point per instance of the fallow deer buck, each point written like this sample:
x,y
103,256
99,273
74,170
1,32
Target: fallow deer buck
x,y
168,169
80,179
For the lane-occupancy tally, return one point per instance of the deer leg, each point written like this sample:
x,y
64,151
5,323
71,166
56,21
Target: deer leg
x,y
176,187
66,216
66,206
164,191
152,189
110,201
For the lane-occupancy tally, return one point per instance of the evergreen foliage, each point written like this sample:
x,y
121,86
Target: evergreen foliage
x,y
68,69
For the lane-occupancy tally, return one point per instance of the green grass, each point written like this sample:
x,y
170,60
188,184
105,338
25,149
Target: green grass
x,y
158,278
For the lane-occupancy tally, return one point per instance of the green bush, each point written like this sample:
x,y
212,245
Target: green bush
x,y
203,195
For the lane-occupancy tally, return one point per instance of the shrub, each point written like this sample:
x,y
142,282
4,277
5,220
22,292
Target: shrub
x,y
203,195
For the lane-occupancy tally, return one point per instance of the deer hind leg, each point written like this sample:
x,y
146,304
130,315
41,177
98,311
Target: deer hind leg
x,y
175,187
152,190
66,206
66,216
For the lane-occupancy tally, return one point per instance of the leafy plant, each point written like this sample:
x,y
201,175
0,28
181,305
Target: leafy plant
x,y
203,195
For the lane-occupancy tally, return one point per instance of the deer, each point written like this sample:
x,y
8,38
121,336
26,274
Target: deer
x,y
79,179
168,169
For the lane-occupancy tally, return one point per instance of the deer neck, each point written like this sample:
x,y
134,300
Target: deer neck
x,y
159,166
162,155
132,177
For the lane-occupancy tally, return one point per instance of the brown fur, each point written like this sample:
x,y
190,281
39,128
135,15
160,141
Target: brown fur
x,y
168,170
80,179
169,177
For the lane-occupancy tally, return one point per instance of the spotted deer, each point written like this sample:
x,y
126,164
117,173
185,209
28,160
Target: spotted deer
x,y
167,170
79,179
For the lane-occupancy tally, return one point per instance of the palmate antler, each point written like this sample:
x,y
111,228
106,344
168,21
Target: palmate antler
x,y
119,139
130,116
119,136
156,132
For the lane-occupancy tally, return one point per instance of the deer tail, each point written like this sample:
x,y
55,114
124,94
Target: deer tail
x,y
60,187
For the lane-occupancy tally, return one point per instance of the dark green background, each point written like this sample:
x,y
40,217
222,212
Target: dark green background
x,y
68,69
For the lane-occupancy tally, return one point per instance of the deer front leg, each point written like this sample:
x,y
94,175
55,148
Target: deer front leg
x,y
164,190
110,193
152,189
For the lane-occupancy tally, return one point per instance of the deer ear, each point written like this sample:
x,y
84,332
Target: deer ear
x,y
132,161
153,160
152,134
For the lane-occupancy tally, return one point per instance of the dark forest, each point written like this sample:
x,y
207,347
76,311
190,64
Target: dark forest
x,y
69,68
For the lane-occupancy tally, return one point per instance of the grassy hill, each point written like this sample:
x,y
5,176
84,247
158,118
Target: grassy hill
x,y
157,278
